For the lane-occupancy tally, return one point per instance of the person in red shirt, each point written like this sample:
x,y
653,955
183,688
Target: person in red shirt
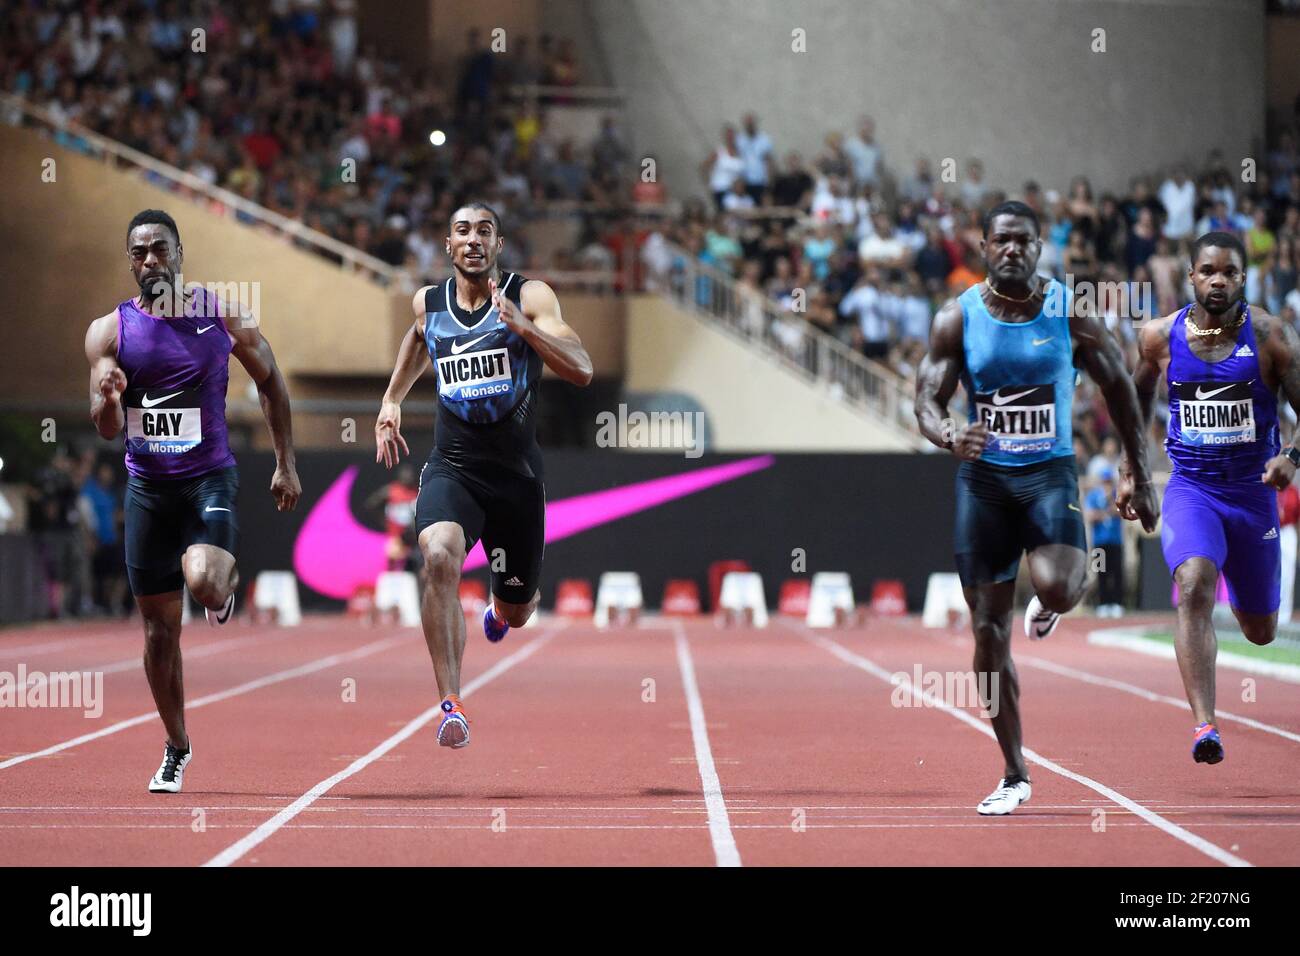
x,y
1288,514
398,498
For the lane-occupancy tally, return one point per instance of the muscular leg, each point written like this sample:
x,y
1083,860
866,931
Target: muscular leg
x,y
210,574
516,615
1258,628
990,606
443,546
1195,643
1059,573
162,661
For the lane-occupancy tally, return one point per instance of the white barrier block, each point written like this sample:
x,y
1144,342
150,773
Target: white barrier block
x,y
831,592
942,596
278,591
619,591
742,591
398,591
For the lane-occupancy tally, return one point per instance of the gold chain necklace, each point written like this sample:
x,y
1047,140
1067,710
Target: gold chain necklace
x,y
989,286
1197,330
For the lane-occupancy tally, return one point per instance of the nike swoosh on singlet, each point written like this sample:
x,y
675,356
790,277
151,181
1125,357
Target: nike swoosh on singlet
x,y
1044,341
335,553
204,329
148,402
1003,399
1211,394
458,347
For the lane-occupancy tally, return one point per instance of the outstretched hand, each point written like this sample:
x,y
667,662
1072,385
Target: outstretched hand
x,y
389,443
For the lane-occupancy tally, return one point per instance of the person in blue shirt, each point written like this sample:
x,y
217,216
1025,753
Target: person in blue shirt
x,y
104,498
1106,530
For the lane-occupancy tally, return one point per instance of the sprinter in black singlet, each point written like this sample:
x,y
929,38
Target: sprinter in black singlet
x,y
487,334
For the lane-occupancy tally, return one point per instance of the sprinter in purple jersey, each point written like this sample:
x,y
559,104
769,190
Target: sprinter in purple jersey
x,y
1224,362
159,364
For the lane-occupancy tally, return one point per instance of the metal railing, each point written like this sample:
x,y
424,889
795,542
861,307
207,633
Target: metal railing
x,y
72,135
818,357
16,111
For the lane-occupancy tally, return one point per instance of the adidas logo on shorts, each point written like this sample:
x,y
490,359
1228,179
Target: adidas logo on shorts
x,y
1244,351
1271,534
516,583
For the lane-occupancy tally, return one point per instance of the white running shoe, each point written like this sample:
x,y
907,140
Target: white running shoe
x,y
1039,621
170,775
217,618
1004,799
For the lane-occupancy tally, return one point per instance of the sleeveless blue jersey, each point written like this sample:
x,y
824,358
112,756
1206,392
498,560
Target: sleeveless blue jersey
x,y
487,382
1222,418
1019,378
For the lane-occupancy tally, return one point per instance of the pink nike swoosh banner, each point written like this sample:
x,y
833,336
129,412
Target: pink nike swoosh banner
x,y
335,554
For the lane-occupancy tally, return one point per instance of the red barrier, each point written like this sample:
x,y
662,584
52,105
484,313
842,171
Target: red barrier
x,y
889,598
793,599
573,598
681,597
473,596
361,604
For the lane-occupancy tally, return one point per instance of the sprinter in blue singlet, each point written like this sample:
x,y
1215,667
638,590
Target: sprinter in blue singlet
x,y
1224,362
487,335
1010,342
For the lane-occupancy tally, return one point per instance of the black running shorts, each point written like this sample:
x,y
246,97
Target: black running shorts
x,y
164,517
503,508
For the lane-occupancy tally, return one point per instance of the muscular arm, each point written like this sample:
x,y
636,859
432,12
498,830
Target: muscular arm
x,y
254,353
1104,361
543,328
412,355
937,378
1153,352
107,380
1282,345
412,360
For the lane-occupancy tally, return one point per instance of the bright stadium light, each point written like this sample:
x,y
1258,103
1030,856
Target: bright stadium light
x,y
437,137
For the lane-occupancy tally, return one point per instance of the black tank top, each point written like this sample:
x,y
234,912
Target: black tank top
x,y
487,383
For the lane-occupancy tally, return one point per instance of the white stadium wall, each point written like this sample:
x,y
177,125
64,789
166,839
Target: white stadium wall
x,y
946,78
751,402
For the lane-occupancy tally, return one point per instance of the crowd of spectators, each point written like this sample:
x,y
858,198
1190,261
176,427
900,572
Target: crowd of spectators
x,y
868,255
75,516
280,104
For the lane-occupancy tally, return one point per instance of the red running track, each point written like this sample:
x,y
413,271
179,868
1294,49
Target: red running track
x,y
672,743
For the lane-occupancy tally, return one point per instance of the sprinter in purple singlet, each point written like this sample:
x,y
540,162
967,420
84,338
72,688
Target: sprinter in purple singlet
x,y
159,364
1225,362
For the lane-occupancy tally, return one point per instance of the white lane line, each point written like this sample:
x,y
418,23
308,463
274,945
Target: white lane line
x,y
303,670
892,809
203,650
240,847
57,645
1211,850
1001,825
1145,694
1132,640
724,842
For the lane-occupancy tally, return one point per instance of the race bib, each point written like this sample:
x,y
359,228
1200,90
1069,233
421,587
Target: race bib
x,y
1215,413
163,421
475,375
1021,418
